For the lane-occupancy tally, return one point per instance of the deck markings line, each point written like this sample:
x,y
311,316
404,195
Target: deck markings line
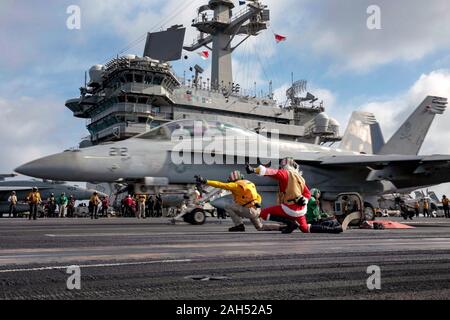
x,y
119,264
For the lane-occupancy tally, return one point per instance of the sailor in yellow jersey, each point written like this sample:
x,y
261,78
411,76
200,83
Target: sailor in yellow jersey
x,y
34,199
247,202
445,206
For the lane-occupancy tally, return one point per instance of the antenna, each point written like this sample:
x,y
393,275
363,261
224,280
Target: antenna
x,y
221,30
198,70
296,89
270,90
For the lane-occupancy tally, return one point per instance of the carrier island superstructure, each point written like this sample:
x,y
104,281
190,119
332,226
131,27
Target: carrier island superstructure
x,y
129,94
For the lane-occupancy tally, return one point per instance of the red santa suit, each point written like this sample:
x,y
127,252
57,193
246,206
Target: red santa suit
x,y
287,208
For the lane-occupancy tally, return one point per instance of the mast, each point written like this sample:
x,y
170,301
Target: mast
x,y
221,27
221,72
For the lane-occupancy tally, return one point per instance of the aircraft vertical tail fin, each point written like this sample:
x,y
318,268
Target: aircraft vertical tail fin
x,y
363,134
419,195
410,136
433,196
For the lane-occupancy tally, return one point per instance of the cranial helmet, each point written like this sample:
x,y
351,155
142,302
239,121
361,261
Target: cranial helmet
x,y
315,192
235,176
289,164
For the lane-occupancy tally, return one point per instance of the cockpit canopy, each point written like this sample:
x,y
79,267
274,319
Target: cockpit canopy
x,y
195,129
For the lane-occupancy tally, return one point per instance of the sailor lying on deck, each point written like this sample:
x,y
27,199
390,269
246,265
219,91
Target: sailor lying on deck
x,y
320,221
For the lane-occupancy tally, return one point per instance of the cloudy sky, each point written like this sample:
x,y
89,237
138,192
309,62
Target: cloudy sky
x,y
388,71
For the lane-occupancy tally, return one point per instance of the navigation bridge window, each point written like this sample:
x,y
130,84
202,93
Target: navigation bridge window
x,y
148,78
195,128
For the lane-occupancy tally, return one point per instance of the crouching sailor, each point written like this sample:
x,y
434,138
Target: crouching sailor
x,y
247,202
293,196
320,221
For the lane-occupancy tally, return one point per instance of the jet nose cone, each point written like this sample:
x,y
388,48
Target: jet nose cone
x,y
56,167
36,168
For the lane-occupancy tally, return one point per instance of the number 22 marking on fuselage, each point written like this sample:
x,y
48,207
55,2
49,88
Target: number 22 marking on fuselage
x,y
118,152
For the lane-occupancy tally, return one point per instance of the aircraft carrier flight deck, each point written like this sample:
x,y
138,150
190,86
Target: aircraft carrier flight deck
x,y
151,259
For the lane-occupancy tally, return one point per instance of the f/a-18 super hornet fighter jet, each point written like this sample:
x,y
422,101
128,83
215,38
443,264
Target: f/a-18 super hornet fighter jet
x,y
175,152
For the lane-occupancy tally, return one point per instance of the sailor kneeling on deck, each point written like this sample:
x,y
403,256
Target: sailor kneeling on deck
x,y
247,202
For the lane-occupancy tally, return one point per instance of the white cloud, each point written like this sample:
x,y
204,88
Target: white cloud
x,y
280,93
392,112
411,30
328,98
33,128
337,30
21,29
133,19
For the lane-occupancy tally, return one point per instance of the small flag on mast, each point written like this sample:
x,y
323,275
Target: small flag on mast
x,y
203,54
279,38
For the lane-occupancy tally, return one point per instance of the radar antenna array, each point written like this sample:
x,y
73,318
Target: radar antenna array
x,y
297,88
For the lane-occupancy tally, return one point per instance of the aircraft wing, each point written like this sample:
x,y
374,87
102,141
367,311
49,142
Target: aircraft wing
x,y
391,167
13,188
382,160
9,175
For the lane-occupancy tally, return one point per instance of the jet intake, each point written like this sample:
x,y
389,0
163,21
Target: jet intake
x,y
388,173
150,184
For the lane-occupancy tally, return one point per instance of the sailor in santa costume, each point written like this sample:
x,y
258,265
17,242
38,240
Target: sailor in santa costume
x,y
293,196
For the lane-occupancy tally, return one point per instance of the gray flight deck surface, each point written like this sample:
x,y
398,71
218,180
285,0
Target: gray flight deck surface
x,y
151,259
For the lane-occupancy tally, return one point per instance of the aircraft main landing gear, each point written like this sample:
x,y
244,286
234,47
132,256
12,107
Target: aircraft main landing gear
x,y
351,210
195,217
